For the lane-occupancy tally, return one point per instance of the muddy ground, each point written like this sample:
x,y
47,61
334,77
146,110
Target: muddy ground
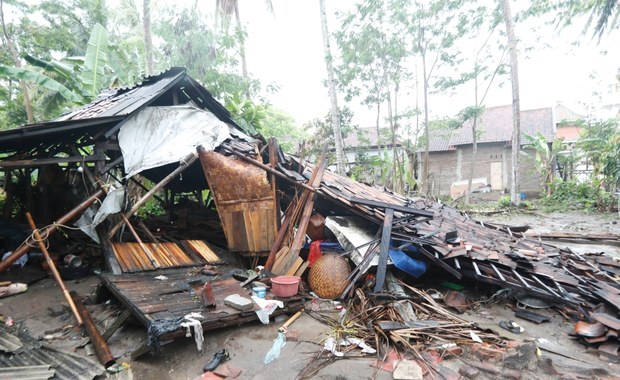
x,y
37,311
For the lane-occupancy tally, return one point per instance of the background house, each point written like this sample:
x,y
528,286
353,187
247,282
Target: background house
x,y
451,150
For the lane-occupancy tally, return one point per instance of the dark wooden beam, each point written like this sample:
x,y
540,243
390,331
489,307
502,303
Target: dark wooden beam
x,y
385,247
51,160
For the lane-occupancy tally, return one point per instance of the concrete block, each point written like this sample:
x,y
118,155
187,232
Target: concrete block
x,y
239,303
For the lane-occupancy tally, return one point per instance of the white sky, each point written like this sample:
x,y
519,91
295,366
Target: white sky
x,y
286,48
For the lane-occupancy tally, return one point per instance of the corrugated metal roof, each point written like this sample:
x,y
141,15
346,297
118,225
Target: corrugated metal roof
x,y
111,108
123,101
36,372
67,365
9,342
495,125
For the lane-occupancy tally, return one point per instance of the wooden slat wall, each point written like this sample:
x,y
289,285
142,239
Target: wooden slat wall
x,y
244,201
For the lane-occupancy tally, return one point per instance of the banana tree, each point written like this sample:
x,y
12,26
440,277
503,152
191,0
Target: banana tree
x,y
76,79
545,157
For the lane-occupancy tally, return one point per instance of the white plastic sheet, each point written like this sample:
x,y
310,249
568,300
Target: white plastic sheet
x,y
91,218
158,136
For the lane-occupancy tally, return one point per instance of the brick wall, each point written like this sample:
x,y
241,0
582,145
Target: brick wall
x,y
447,167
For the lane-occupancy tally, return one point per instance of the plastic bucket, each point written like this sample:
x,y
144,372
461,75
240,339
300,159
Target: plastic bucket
x,y
285,286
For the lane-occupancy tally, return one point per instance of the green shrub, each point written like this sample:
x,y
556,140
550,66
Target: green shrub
x,y
504,201
575,195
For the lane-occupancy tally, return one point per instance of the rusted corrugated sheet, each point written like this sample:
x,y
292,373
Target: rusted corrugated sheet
x,y
244,201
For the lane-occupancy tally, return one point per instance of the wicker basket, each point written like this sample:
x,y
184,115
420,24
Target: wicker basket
x,y
328,276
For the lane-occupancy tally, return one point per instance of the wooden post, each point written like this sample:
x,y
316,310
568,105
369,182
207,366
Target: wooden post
x,y
298,240
385,246
25,248
52,266
185,163
273,160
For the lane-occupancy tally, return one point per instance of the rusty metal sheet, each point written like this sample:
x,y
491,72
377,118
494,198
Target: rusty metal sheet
x,y
589,330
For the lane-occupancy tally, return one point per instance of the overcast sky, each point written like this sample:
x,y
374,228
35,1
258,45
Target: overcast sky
x,y
286,48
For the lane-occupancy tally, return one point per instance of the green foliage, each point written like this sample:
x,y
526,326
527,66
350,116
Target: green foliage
x,y
209,54
323,132
575,195
39,80
601,146
247,114
93,71
544,157
281,125
504,201
604,13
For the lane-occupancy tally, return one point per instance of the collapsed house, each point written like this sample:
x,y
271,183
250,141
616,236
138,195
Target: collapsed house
x,y
224,191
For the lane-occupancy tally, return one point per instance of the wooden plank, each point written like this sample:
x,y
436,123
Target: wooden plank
x,y
14,164
118,322
298,240
385,246
273,161
302,269
296,265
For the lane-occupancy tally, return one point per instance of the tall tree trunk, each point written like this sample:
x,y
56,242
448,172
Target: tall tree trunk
x,y
17,62
379,147
148,37
340,159
425,179
474,149
244,66
516,109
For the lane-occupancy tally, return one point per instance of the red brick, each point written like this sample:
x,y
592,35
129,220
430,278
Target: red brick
x,y
227,371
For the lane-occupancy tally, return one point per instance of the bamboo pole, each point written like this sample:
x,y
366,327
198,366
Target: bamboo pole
x,y
52,266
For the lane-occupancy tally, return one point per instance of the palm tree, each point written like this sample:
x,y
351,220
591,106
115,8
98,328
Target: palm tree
x,y
224,10
604,10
